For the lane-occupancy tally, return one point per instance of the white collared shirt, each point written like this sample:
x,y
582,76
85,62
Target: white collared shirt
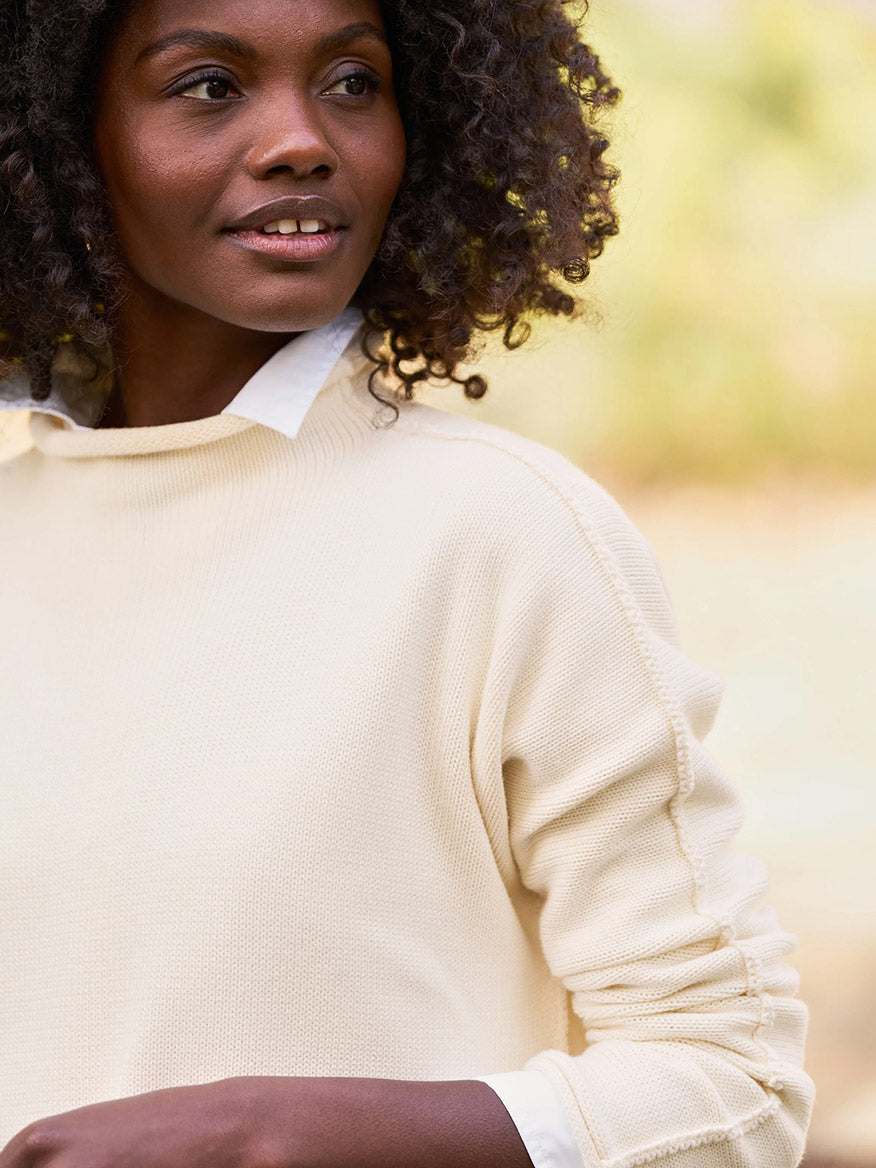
x,y
279,396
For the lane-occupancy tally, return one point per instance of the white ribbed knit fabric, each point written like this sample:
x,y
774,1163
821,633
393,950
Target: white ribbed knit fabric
x,y
370,752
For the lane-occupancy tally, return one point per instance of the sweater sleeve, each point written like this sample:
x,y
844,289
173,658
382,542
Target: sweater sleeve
x,y
622,826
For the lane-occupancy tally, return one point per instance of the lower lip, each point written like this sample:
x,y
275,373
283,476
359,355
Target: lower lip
x,y
296,248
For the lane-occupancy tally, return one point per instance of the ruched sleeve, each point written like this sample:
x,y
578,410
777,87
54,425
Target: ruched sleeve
x,y
622,825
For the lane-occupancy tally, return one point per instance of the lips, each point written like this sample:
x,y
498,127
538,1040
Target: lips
x,y
296,248
300,209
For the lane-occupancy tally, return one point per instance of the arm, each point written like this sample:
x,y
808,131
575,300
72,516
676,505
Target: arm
x,y
282,1123
622,825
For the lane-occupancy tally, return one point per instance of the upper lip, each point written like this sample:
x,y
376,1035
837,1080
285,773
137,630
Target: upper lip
x,y
291,207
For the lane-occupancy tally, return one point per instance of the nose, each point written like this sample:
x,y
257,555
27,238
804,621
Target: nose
x,y
288,137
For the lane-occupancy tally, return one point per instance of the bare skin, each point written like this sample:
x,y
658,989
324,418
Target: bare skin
x,y
287,111
281,1123
279,111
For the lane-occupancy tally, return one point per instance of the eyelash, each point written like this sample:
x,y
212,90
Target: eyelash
x,y
360,74
200,79
373,81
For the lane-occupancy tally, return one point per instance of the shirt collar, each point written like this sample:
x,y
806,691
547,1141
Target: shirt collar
x,y
278,395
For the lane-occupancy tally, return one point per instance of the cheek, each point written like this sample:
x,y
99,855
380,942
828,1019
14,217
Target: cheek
x,y
382,172
157,191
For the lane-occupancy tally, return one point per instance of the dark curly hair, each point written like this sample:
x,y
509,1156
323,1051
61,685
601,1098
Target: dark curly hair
x,y
506,193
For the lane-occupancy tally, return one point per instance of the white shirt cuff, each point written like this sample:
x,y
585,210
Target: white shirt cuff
x,y
538,1115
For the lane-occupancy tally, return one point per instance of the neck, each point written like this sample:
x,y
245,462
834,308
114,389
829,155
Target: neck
x,y
180,366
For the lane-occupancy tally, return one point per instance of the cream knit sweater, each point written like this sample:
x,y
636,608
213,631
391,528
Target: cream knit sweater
x,y
370,752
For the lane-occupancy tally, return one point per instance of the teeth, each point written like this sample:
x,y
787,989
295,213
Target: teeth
x,y
294,227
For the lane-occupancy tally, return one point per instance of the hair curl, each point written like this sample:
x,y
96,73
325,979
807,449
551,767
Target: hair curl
x,y
506,193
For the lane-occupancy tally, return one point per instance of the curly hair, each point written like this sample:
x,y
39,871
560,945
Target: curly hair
x,y
506,194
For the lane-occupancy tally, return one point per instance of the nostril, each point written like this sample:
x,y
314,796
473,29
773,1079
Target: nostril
x,y
285,168
292,155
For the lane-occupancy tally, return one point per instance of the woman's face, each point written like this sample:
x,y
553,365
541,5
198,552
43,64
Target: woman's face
x,y
252,150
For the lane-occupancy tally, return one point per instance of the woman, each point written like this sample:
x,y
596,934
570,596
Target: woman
x,y
350,763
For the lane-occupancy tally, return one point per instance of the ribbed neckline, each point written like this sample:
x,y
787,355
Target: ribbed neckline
x,y
344,397
345,388
52,437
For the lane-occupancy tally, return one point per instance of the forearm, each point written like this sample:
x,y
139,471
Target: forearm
x,y
377,1123
255,1122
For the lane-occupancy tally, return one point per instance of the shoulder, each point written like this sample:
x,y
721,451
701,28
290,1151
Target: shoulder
x,y
514,507
587,570
553,502
465,455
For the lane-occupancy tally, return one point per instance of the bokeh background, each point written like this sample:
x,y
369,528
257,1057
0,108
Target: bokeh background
x,y
722,385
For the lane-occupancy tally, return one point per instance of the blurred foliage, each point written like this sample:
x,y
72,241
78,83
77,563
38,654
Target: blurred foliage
x,y
736,310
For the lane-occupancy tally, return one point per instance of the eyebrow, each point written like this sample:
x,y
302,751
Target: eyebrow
x,y
206,40
362,30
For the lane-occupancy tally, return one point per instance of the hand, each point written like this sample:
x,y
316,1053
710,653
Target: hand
x,y
281,1123
183,1127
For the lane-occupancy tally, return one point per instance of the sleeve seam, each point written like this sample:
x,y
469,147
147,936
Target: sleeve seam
x,y
685,784
725,1133
673,1145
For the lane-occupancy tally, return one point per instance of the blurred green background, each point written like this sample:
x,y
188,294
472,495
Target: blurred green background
x,y
737,329
721,384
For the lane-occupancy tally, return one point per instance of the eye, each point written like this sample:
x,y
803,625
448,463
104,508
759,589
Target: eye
x,y
361,83
207,87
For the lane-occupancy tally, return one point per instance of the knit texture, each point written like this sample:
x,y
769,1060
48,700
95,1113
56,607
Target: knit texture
x,y
371,752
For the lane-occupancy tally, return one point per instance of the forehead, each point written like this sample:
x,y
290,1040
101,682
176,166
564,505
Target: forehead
x,y
279,24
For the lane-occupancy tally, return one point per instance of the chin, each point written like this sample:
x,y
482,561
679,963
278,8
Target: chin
x,y
279,318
